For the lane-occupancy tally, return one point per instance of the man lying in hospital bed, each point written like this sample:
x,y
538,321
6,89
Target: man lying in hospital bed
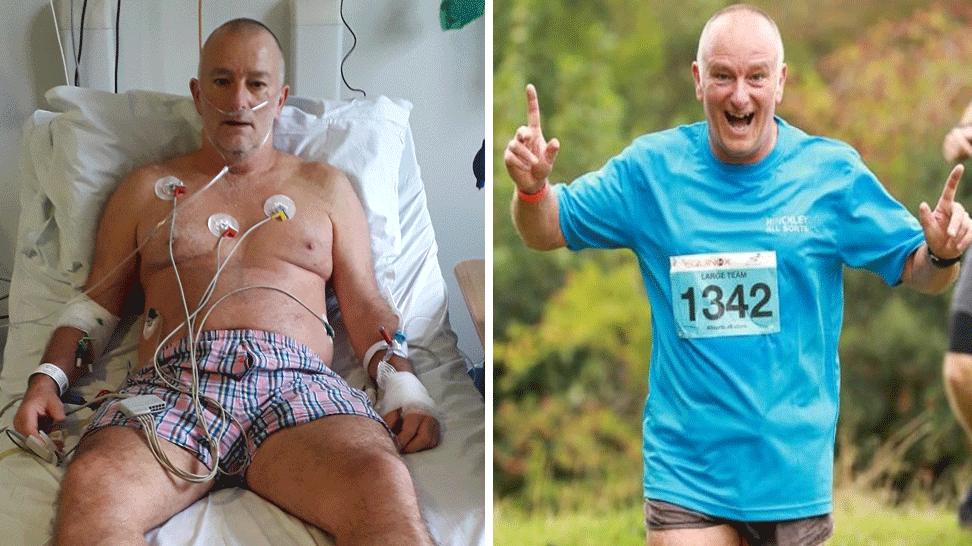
x,y
244,345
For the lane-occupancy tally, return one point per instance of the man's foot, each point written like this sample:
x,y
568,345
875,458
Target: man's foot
x,y
965,510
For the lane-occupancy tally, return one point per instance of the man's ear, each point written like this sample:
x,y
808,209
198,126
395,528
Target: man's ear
x,y
697,76
194,90
782,82
281,100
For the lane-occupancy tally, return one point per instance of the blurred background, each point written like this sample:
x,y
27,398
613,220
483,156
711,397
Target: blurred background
x,y
571,330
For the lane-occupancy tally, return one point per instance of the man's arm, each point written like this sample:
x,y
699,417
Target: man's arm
x,y
115,241
957,145
948,232
365,310
921,275
529,159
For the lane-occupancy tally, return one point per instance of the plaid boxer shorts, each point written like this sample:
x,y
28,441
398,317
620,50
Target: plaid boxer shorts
x,y
266,380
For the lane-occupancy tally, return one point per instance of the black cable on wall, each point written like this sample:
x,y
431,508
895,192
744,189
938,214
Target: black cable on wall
x,y
348,54
77,62
117,39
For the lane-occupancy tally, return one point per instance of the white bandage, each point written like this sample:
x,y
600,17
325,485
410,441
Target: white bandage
x,y
402,390
95,321
55,373
399,348
370,353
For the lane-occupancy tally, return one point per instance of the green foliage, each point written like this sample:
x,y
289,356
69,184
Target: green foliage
x,y
572,331
569,393
893,94
592,336
888,97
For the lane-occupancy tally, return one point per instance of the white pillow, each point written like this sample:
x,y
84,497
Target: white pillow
x,y
365,139
100,137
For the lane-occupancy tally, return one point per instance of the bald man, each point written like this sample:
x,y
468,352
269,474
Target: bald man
x,y
741,225
298,435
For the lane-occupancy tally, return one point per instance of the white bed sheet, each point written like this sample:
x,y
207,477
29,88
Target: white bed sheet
x,y
450,479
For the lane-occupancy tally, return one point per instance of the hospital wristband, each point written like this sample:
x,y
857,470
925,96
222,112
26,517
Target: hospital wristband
x,y
941,263
55,373
370,353
534,197
399,348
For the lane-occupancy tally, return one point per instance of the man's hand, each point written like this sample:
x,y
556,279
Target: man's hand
x,y
414,431
406,406
529,158
948,229
958,144
40,401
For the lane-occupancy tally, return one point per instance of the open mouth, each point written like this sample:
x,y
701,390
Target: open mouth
x,y
739,122
235,123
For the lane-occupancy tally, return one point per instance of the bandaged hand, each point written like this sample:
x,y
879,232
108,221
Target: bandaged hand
x,y
409,411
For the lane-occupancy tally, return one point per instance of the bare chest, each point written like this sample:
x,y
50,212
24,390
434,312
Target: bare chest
x,y
231,225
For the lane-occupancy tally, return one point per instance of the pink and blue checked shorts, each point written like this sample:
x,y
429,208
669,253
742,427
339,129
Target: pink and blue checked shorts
x,y
266,380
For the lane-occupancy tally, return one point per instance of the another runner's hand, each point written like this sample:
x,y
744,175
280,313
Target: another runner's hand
x,y
414,431
948,229
958,144
529,158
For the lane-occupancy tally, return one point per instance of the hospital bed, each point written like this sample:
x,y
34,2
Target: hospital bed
x,y
75,154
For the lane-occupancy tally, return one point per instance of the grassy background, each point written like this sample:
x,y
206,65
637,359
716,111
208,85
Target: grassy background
x,y
861,519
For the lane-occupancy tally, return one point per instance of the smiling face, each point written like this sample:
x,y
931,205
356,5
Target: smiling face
x,y
739,77
239,70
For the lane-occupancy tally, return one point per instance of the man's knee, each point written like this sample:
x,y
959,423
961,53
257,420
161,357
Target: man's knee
x,y
381,491
353,432
372,458
86,503
85,476
957,371
382,462
114,485
353,448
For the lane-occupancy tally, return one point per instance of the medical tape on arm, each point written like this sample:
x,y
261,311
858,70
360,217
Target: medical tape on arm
x,y
399,348
402,390
97,323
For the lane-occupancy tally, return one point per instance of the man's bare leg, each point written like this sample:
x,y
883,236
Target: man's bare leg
x,y
957,370
342,474
114,490
717,535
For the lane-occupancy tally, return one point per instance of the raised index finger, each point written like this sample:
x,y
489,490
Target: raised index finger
x,y
948,194
533,107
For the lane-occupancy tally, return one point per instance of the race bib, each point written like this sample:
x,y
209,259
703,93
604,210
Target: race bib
x,y
725,294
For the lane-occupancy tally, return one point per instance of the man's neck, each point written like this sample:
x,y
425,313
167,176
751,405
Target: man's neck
x,y
255,162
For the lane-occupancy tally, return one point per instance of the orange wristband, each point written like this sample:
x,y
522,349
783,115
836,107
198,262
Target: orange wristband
x,y
532,197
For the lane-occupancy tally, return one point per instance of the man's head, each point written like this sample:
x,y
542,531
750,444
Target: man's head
x,y
241,66
739,76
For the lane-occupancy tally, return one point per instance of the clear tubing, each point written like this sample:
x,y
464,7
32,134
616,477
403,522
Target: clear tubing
x,y
233,113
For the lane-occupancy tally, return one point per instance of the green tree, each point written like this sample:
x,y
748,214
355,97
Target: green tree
x,y
570,392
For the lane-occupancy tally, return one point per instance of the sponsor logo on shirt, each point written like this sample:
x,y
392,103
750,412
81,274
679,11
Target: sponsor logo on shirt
x,y
788,223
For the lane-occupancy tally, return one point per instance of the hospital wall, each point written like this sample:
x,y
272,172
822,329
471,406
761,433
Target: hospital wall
x,y
401,51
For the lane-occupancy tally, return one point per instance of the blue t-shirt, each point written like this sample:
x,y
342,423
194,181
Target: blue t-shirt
x,y
743,265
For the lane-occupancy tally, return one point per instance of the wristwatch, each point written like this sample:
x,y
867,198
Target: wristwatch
x,y
941,262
